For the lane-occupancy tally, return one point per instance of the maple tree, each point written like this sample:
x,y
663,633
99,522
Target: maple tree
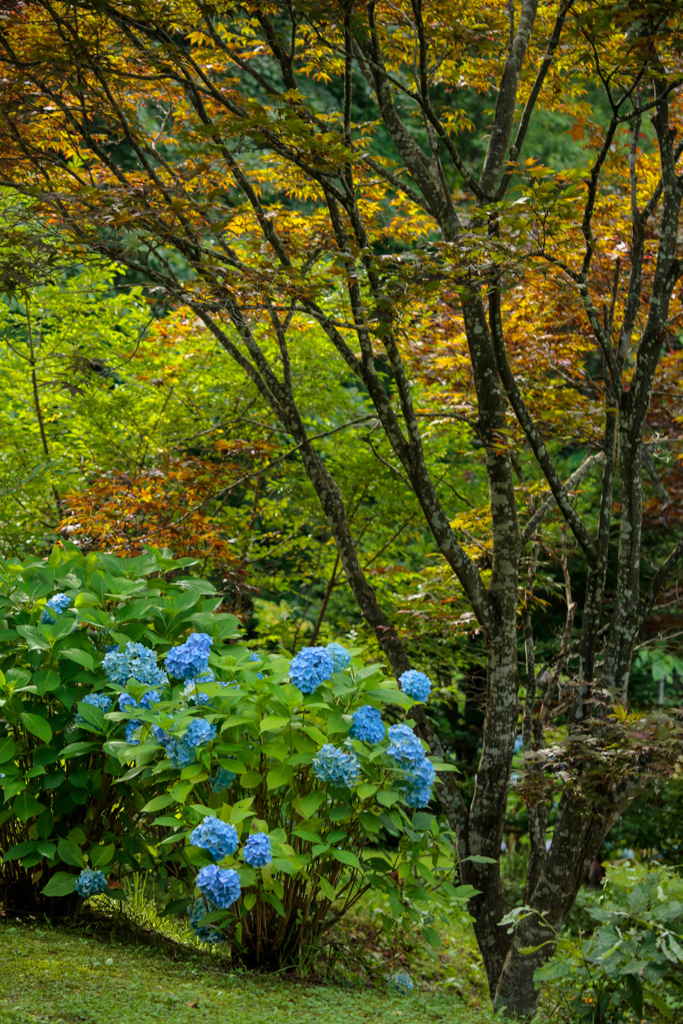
x,y
162,507
531,304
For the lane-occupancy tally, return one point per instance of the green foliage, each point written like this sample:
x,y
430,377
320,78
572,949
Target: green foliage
x,y
654,824
77,793
632,963
330,844
67,802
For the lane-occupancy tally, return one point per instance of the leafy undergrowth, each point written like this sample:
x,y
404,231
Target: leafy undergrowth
x,y
357,951
89,975
358,947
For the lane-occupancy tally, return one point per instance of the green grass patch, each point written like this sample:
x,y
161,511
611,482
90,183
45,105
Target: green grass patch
x,y
62,976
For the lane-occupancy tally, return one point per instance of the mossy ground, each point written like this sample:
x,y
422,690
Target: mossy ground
x,y
97,973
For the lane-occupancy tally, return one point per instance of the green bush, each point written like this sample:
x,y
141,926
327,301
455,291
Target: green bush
x,y
67,802
111,767
329,843
631,963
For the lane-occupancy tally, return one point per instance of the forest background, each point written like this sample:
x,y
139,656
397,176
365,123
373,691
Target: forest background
x,y
124,424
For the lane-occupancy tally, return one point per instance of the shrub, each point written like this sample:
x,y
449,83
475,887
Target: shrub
x,y
632,960
321,808
138,732
67,802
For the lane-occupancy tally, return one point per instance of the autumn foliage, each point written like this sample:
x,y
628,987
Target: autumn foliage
x,y
360,180
168,506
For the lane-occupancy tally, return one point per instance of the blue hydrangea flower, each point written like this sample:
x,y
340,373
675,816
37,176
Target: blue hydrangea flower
x,y
419,781
216,836
367,725
311,667
192,688
341,658
401,982
160,735
142,665
90,883
128,701
335,766
151,697
97,700
257,850
135,662
417,685
199,642
54,607
130,729
191,659
409,753
221,886
404,746
204,932
115,665
181,752
417,796
223,779
199,732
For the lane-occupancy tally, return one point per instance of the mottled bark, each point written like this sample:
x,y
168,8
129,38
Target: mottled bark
x,y
579,832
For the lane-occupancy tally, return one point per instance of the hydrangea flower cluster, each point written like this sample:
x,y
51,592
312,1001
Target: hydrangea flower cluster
x,y
367,725
126,700
408,752
160,735
418,791
311,667
181,752
221,886
335,766
97,700
401,982
341,658
54,607
218,837
223,779
404,746
191,659
417,685
90,883
129,731
192,693
205,933
135,662
257,851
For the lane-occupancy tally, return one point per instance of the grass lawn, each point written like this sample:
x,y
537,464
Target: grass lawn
x,y
66,976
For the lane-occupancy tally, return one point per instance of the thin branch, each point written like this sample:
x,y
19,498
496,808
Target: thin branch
x,y
571,482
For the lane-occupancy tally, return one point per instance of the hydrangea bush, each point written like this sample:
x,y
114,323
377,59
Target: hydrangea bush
x,y
80,637
139,731
287,785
